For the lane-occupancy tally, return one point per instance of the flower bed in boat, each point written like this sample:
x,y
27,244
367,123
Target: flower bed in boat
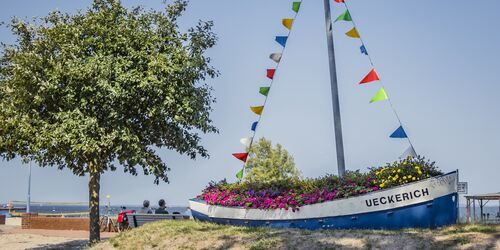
x,y
287,194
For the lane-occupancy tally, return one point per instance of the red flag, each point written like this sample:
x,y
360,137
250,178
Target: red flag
x,y
372,76
270,73
241,156
339,1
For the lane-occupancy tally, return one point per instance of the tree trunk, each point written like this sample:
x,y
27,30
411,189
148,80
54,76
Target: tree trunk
x,y
94,187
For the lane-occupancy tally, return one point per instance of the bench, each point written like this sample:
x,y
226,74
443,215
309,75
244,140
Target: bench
x,y
136,220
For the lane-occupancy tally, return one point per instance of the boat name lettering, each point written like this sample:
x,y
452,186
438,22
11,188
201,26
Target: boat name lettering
x,y
397,198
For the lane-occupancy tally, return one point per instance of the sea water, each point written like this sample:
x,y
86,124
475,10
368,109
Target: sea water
x,y
113,210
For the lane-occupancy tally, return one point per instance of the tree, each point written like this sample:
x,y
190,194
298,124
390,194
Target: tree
x,y
104,88
269,164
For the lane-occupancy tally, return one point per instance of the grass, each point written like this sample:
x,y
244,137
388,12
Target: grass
x,y
191,234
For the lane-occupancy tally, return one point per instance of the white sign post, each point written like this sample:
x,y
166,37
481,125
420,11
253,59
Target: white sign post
x,y
462,187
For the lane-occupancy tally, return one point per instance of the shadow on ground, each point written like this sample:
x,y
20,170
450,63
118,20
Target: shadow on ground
x,y
75,244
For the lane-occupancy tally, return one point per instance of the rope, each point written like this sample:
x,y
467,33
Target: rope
x,y
272,81
380,81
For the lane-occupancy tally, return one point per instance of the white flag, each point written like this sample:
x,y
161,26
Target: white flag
x,y
246,141
408,152
275,57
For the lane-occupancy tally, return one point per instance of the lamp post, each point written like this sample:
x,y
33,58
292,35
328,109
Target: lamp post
x,y
28,203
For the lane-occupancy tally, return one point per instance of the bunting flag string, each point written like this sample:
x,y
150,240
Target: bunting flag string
x,y
399,133
370,77
257,109
296,6
408,152
264,90
270,73
353,33
276,57
241,156
281,40
379,96
344,16
287,22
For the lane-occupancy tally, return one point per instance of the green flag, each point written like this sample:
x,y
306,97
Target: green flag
x,y
344,17
264,91
239,175
296,6
380,96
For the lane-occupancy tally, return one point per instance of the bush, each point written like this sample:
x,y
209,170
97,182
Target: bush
x,y
285,194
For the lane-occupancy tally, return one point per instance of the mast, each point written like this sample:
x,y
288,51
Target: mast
x,y
335,93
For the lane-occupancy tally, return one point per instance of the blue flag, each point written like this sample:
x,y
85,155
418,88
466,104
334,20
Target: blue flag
x,y
254,126
399,133
363,50
281,40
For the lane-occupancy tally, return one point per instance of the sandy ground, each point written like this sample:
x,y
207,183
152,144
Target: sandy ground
x,y
13,238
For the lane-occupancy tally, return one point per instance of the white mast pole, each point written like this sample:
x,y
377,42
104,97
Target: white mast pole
x,y
335,93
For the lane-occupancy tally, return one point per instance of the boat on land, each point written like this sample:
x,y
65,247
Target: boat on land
x,y
427,203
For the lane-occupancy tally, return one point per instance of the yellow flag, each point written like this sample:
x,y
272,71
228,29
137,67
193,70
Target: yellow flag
x,y
257,109
352,33
288,22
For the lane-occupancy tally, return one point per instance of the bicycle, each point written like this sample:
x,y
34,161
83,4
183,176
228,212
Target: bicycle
x,y
107,223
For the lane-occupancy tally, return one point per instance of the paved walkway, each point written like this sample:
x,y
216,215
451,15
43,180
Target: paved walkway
x,y
13,237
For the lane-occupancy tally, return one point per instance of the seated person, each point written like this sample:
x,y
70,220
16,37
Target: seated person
x,y
145,208
162,209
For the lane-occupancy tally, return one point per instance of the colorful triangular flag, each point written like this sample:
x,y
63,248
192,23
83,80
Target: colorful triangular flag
x,y
241,156
257,109
352,33
254,126
270,73
296,6
246,141
239,175
344,16
288,23
399,133
281,40
276,57
370,77
408,152
264,90
379,96
363,50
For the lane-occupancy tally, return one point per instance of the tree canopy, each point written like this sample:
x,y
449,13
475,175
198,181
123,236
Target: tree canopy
x,y
268,163
106,85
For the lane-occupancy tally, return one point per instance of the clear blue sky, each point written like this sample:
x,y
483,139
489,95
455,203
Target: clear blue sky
x,y
438,60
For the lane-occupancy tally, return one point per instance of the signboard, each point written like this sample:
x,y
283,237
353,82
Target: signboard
x,y
462,187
